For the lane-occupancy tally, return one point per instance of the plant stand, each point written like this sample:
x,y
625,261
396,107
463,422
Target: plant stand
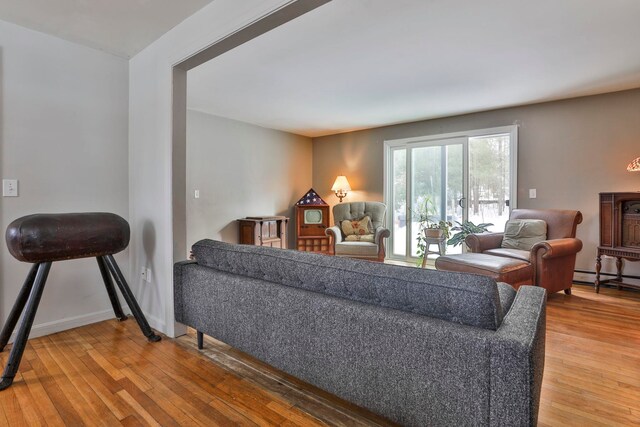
x,y
433,237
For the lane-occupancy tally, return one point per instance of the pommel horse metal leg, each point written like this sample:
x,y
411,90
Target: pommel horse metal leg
x,y
25,327
44,238
111,290
130,298
16,311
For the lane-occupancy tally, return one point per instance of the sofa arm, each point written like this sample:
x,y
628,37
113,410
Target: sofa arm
x,y
381,233
335,233
479,243
517,360
178,302
556,248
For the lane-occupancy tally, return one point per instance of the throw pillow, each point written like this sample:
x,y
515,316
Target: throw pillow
x,y
359,238
356,227
524,233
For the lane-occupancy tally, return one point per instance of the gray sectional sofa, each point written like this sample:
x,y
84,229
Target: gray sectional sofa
x,y
420,347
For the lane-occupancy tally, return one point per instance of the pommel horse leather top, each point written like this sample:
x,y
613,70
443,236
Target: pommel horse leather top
x,y
57,237
44,238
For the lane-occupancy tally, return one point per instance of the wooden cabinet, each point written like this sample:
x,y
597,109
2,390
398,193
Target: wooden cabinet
x,y
619,233
312,219
311,222
268,231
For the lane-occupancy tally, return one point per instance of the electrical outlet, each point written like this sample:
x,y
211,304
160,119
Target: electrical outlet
x,y
532,193
196,194
148,275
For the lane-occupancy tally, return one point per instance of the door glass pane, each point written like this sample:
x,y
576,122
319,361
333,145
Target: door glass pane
x,y
426,188
489,180
399,200
454,193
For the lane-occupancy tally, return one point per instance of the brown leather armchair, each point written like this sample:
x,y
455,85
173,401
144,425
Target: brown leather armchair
x,y
553,260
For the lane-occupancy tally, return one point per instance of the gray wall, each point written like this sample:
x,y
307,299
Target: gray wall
x,y
63,122
568,150
241,170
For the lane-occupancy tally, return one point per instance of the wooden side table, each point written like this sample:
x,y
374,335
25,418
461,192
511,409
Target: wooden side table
x,y
620,254
619,233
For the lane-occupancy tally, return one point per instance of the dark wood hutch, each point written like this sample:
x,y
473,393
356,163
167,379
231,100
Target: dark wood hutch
x,y
619,233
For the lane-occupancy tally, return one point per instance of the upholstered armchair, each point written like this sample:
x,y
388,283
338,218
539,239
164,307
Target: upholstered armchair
x,y
371,250
553,259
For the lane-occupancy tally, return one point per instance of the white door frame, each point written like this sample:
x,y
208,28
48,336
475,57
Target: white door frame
x,y
438,140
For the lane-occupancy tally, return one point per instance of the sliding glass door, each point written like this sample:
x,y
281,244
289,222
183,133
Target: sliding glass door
x,y
457,177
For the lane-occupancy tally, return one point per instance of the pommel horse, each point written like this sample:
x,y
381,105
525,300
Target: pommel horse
x,y
42,239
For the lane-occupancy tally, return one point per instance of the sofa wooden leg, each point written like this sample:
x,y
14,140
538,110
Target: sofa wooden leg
x,y
200,340
567,291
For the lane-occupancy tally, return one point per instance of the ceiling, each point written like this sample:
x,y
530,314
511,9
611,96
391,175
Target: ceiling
x,y
365,63
120,27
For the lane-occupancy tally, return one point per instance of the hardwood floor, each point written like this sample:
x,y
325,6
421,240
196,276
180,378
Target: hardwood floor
x,y
107,374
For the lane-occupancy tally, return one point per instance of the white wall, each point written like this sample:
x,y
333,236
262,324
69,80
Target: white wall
x,y
150,138
241,170
63,122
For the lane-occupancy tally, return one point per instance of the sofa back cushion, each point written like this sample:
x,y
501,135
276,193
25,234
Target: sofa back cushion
x,y
456,297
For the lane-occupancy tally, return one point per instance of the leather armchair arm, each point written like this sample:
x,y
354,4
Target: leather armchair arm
x,y
381,233
335,233
481,242
556,248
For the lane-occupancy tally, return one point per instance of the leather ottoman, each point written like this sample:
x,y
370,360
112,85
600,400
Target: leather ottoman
x,y
513,271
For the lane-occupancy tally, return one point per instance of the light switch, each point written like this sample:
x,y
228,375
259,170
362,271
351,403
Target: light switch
x,y
9,188
532,193
196,194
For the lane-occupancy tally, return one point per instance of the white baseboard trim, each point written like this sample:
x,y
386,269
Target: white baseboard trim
x,y
55,326
48,328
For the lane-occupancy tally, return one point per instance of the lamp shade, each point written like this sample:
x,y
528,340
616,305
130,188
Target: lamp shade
x,y
634,166
341,183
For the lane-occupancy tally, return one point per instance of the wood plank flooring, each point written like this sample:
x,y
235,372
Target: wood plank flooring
x,y
107,374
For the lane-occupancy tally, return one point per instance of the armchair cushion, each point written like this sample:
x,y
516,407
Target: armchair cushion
x,y
357,249
357,227
510,253
524,233
359,238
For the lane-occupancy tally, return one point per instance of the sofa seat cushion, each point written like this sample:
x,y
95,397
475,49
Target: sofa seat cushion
x,y
513,271
460,298
347,248
510,253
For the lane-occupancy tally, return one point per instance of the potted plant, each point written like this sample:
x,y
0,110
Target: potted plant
x,y
430,227
464,229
